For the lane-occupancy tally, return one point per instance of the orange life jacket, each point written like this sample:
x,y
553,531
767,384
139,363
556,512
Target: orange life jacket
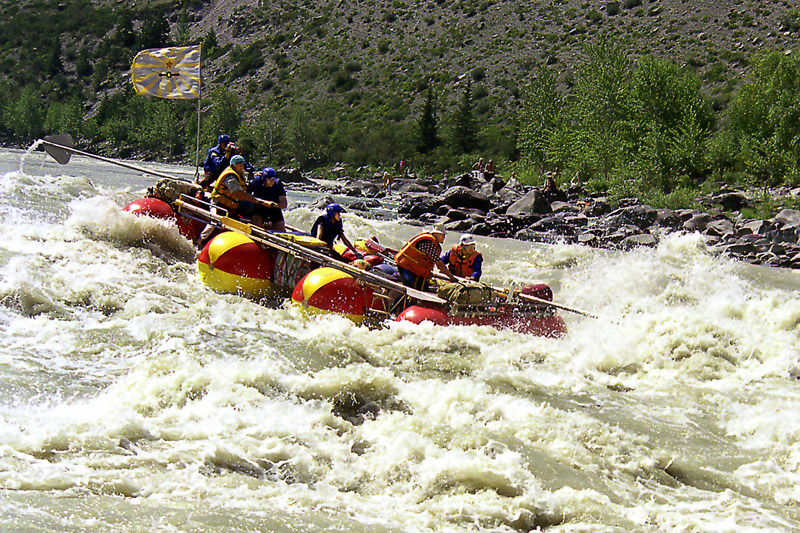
x,y
221,194
411,258
461,266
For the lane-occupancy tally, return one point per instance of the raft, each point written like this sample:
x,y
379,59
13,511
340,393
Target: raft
x,y
247,260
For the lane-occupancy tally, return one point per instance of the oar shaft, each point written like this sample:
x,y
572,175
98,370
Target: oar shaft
x,y
112,161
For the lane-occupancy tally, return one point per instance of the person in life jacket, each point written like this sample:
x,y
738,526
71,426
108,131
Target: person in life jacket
x,y
417,257
328,227
267,186
463,260
217,159
229,193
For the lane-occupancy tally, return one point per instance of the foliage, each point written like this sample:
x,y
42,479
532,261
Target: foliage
x,y
428,124
465,129
765,119
627,128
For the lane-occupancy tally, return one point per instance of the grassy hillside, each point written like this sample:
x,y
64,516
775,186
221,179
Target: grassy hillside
x,y
348,80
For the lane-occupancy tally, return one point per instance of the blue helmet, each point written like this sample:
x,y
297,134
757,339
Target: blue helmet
x,y
223,139
269,172
235,160
332,209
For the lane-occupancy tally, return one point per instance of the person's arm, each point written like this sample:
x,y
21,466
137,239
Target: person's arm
x,y
282,203
240,195
349,245
443,269
477,268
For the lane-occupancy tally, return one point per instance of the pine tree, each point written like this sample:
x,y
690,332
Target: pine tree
x,y
466,129
428,124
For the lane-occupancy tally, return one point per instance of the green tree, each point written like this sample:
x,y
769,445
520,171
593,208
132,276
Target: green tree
x,y
428,124
154,32
600,108
540,119
224,115
54,63
25,114
765,118
465,129
64,117
125,36
669,124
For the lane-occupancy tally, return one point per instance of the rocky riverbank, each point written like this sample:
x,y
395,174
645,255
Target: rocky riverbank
x,y
508,209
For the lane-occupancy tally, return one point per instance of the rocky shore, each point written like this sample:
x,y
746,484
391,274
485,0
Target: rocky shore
x,y
502,208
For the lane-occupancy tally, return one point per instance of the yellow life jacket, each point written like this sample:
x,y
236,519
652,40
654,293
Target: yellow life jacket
x,y
221,194
459,265
411,258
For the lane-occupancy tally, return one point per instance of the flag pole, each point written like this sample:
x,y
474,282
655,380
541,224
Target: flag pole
x,y
199,94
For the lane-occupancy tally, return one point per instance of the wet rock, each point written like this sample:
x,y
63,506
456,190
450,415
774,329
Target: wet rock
x,y
597,207
788,217
465,197
637,241
720,227
698,222
533,202
667,218
759,227
292,175
360,188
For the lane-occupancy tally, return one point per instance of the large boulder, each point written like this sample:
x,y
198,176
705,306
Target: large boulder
x,y
533,202
360,188
788,217
292,175
465,197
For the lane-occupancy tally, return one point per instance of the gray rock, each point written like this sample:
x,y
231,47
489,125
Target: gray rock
x,y
559,207
533,202
728,200
291,175
598,207
667,218
637,241
465,197
759,227
698,222
720,227
788,217
739,249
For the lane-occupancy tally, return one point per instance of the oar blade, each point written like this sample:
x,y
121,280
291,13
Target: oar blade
x,y
54,149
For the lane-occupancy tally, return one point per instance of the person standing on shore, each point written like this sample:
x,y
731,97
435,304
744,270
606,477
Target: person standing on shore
x,y
388,180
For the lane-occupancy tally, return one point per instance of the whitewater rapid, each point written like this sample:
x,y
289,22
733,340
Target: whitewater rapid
x,y
133,398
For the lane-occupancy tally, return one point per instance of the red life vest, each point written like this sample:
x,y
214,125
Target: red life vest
x,y
221,194
411,258
461,266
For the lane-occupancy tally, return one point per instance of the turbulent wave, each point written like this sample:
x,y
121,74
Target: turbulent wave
x,y
150,403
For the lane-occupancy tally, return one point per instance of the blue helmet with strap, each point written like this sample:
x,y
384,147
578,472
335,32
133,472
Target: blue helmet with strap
x,y
223,138
332,209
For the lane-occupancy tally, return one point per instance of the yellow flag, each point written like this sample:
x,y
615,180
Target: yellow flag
x,y
168,72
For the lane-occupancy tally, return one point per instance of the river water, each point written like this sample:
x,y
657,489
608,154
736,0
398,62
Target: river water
x,y
134,399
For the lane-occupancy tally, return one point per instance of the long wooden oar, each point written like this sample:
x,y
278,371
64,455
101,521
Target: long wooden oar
x,y
59,147
388,255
